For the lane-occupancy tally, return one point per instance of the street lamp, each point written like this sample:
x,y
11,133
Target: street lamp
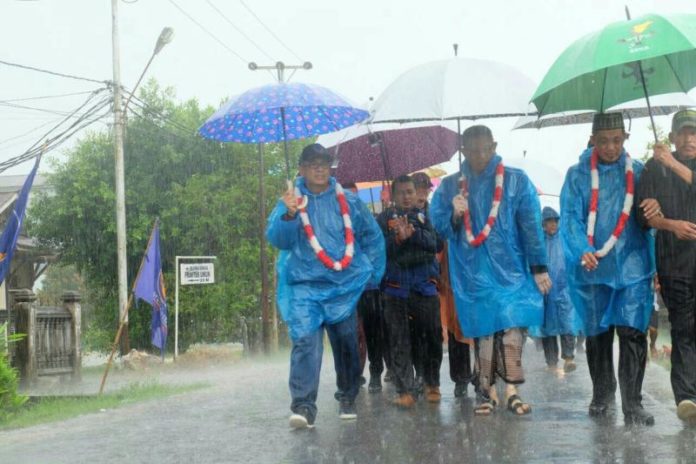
x,y
119,174
164,38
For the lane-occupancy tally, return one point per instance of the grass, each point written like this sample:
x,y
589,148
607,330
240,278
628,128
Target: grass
x,y
51,409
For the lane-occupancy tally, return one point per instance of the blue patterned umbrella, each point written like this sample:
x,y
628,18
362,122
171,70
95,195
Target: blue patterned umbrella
x,y
281,112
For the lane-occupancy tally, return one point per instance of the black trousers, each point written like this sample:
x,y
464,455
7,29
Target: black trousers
x,y
371,312
679,295
423,313
459,360
551,348
633,350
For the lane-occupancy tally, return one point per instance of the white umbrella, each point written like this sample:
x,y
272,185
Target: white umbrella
x,y
455,89
547,179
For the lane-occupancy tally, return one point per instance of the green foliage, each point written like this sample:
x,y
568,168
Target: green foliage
x,y
10,401
53,409
206,196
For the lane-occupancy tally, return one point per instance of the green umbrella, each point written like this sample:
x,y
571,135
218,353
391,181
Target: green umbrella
x,y
624,61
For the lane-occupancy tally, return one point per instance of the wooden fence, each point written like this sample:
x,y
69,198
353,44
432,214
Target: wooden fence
x,y
52,342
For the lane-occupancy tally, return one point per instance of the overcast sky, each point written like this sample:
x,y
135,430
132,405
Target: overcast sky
x,y
357,48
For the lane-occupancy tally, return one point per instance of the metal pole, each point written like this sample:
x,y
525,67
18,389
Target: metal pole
x,y
119,181
265,310
176,309
176,298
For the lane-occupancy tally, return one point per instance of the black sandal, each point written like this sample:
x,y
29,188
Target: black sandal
x,y
518,407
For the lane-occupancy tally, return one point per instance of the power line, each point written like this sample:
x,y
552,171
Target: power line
x,y
46,97
53,73
269,29
258,47
31,131
213,36
45,144
33,108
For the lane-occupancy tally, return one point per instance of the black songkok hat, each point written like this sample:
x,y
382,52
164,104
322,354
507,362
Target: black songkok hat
x,y
607,121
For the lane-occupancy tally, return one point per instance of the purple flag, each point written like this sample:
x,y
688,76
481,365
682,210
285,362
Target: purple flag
x,y
8,240
150,288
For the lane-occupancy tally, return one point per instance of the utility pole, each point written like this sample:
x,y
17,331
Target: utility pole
x,y
119,181
269,327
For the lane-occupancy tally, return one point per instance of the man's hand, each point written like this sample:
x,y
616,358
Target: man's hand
x,y
459,205
684,230
290,200
651,208
543,282
404,230
663,155
589,261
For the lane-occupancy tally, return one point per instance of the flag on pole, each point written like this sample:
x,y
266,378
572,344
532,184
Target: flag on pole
x,y
13,226
149,287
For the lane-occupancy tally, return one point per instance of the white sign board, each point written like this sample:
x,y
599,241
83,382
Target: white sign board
x,y
197,273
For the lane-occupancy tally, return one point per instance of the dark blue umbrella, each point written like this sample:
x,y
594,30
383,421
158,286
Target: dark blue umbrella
x,y
281,112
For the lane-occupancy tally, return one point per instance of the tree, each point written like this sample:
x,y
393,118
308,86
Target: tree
x,y
205,194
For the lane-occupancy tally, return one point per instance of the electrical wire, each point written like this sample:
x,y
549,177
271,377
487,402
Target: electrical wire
x,y
269,30
54,73
46,97
213,36
258,47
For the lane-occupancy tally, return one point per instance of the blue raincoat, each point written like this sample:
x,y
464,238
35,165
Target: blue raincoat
x,y
492,284
619,291
309,294
560,316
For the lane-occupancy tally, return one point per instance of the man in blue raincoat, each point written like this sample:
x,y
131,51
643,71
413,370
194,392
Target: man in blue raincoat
x,y
314,295
610,286
560,318
497,282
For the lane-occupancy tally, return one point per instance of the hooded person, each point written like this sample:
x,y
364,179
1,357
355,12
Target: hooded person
x,y
609,265
331,248
668,179
560,318
490,216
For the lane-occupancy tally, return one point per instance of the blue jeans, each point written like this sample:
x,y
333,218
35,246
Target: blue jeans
x,y
305,364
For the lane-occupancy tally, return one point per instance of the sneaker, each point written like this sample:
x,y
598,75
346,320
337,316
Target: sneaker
x,y
375,385
460,389
388,376
432,394
302,419
347,411
686,411
404,400
569,365
363,380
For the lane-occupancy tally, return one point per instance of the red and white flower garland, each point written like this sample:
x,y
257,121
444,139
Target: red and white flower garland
x,y
492,215
594,200
319,251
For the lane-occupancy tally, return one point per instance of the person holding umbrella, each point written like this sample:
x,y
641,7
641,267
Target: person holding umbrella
x,y
676,248
498,276
331,248
609,265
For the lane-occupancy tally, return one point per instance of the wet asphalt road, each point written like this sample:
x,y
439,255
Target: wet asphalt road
x,y
243,416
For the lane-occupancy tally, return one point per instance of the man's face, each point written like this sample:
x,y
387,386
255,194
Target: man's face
x,y
551,226
609,144
316,174
405,195
685,142
422,196
478,151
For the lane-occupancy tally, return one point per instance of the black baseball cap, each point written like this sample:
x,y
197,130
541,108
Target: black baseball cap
x,y
315,152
